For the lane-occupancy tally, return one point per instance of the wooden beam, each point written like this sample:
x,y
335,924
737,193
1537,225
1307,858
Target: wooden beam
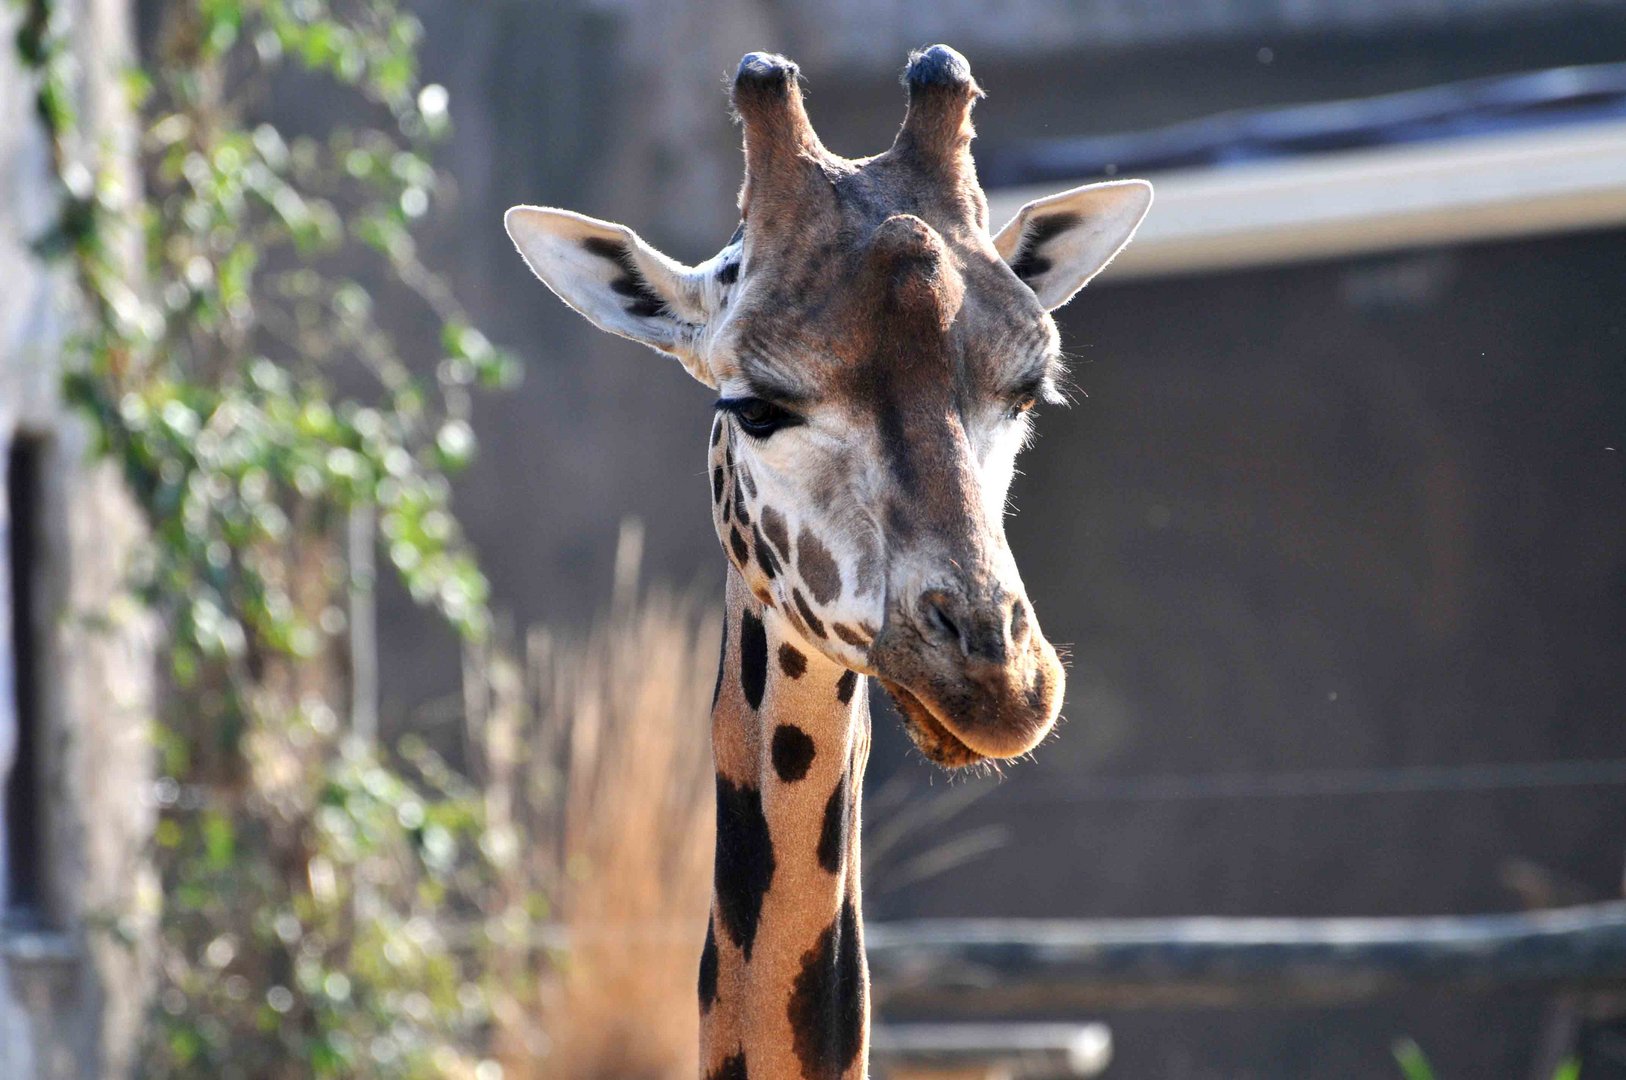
x,y
1021,968
1012,1051
1526,183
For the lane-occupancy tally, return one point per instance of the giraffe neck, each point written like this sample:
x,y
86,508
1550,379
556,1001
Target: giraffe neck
x,y
784,991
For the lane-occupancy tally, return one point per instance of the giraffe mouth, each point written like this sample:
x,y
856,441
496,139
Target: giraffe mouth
x,y
930,735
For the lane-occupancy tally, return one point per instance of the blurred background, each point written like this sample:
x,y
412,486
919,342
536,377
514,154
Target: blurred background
x,y
1336,528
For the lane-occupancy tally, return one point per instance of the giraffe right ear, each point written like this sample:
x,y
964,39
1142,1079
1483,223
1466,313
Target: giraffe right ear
x,y
621,284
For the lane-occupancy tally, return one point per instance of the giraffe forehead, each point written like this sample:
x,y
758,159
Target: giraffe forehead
x,y
818,288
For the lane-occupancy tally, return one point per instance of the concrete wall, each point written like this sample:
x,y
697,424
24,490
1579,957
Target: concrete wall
x,y
847,33
71,967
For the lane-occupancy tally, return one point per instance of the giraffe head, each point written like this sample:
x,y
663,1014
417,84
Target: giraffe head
x,y
876,351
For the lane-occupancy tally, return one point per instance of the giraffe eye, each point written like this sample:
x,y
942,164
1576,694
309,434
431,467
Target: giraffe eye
x,y
759,417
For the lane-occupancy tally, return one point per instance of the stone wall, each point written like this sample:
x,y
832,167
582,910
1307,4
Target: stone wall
x,y
73,960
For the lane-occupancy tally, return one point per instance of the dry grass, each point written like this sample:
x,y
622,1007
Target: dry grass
x,y
597,757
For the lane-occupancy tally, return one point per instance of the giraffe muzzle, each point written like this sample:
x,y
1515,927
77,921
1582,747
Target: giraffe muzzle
x,y
972,675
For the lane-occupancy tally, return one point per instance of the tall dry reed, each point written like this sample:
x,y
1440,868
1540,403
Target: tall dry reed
x,y
597,760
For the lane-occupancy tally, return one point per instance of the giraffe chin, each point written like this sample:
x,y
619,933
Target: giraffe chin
x,y
930,736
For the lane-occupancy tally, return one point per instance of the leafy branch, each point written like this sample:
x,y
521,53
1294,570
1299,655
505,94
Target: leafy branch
x,y
232,362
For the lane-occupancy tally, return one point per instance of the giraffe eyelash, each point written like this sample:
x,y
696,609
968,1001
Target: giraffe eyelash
x,y
1030,393
759,417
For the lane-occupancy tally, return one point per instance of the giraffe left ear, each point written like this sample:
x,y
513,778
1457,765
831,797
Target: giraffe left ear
x,y
1058,243
621,284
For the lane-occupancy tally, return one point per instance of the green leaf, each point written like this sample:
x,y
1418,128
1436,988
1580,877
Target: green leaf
x,y
219,840
1413,1062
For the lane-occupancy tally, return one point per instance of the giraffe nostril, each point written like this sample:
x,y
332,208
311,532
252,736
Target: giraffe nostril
x,y
935,605
1019,624
990,632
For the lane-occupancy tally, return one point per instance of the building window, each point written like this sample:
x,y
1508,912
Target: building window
x,y
24,820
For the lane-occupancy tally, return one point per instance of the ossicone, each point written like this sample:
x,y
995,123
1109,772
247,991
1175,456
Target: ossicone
x,y
937,129
782,151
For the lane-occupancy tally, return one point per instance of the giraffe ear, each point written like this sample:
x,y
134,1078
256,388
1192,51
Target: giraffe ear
x,y
621,284
1058,243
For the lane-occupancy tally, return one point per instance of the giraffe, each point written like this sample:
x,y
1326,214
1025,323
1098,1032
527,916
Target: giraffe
x,y
877,352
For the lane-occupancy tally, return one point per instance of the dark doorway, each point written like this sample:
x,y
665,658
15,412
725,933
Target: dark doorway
x,y
25,839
